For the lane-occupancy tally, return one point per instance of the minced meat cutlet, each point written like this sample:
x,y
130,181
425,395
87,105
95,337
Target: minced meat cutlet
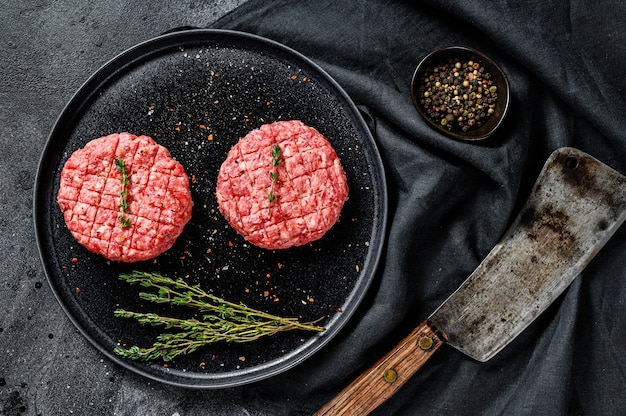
x,y
158,198
289,204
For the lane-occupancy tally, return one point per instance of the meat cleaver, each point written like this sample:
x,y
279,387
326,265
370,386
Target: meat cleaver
x,y
575,206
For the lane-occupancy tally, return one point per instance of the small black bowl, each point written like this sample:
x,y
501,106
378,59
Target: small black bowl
x,y
464,54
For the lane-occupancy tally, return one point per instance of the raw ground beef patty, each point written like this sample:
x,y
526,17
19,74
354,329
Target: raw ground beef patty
x,y
310,186
158,196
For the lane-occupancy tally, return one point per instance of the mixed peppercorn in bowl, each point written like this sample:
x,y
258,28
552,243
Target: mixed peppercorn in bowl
x,y
461,93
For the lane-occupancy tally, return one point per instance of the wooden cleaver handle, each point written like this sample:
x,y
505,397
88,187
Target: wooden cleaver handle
x,y
381,381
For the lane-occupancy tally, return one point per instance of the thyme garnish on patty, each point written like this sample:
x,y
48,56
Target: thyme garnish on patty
x,y
120,165
276,161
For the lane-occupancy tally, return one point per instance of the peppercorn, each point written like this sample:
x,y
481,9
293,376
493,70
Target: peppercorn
x,y
455,95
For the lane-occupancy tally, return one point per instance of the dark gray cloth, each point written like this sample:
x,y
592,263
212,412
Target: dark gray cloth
x,y
450,202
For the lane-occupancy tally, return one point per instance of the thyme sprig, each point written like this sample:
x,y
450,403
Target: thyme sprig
x,y
219,320
276,161
120,165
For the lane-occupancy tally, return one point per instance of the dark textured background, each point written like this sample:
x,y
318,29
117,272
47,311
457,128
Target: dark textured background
x,y
450,201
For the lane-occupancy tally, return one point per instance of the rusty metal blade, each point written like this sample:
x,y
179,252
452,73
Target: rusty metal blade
x,y
576,205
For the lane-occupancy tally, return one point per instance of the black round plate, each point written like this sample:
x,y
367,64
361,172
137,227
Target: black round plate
x,y
197,92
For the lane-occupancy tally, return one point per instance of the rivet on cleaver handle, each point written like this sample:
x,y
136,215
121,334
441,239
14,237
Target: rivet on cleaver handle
x,y
575,206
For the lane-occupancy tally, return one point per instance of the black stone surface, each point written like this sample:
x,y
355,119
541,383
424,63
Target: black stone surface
x,y
449,201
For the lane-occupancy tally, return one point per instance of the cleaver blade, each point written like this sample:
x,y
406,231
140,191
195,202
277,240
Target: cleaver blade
x,y
575,206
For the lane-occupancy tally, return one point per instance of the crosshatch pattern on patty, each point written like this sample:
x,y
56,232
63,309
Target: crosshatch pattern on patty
x,y
158,196
310,187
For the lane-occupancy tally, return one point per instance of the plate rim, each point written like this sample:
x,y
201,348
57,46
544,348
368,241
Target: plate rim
x,y
129,58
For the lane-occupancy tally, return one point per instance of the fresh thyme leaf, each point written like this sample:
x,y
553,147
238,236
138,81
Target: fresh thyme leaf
x,y
120,164
124,221
276,154
219,320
